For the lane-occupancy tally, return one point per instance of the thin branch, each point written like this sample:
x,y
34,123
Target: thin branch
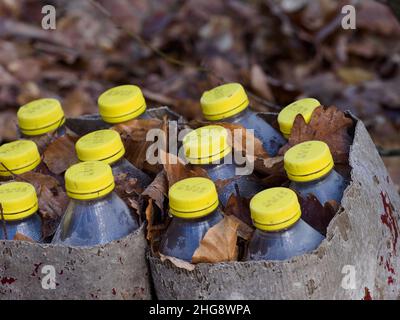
x,y
168,58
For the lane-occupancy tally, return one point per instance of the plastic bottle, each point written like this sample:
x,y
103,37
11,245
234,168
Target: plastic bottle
x,y
280,232
208,147
19,207
40,117
106,146
229,103
95,214
286,117
18,157
309,166
122,103
193,204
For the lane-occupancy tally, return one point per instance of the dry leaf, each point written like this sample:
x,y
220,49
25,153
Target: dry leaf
x,y
129,190
327,124
242,141
133,134
317,215
158,190
176,169
21,237
182,264
52,200
238,208
259,82
270,166
60,154
219,243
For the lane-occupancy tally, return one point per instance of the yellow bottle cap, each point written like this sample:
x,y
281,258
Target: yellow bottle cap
x,y
89,180
40,117
224,101
275,209
18,157
286,117
121,104
206,144
18,200
193,198
308,161
102,145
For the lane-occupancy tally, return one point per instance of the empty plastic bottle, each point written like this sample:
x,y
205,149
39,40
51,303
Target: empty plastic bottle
x,y
193,204
95,214
280,232
18,157
208,147
309,166
106,146
40,117
286,117
229,103
122,103
19,208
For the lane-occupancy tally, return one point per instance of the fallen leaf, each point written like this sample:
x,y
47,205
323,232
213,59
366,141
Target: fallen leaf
x,y
182,264
259,82
60,154
52,199
327,124
317,215
219,243
158,190
177,170
270,166
129,190
238,209
21,237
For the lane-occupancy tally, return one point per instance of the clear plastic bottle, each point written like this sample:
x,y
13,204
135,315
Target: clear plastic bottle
x,y
18,157
193,205
121,104
228,103
280,232
208,146
41,119
19,205
309,166
288,114
95,214
106,146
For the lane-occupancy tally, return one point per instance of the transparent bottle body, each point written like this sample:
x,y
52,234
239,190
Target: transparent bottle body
x,y
282,245
123,166
30,227
94,222
271,139
183,236
328,187
246,184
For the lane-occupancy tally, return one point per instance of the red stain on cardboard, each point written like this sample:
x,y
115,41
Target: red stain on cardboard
x,y
367,294
388,219
6,280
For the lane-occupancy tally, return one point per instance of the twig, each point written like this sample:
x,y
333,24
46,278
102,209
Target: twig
x,y
3,222
170,59
15,176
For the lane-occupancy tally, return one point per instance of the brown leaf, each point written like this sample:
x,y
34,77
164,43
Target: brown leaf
x,y
52,199
327,124
158,190
270,166
259,82
176,169
21,237
242,142
315,214
129,190
238,208
60,154
182,264
134,133
219,243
